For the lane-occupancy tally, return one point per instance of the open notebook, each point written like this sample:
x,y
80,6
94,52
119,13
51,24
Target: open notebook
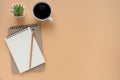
x,y
25,50
37,34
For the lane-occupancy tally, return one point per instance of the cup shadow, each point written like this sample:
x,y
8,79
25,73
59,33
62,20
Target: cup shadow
x,y
45,24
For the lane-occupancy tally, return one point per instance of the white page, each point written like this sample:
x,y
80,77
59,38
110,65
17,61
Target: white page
x,y
37,57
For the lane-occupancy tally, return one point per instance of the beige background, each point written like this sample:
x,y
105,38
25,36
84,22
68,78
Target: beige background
x,y
83,43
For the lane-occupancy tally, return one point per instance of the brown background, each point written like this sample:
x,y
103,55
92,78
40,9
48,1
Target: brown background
x,y
83,43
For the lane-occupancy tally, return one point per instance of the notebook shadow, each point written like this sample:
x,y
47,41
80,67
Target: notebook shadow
x,y
37,69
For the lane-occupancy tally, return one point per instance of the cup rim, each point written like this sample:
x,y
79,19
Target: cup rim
x,y
34,7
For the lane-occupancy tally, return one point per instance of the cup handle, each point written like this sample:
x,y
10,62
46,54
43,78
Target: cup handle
x,y
51,19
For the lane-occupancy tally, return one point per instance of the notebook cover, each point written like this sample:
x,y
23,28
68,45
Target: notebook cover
x,y
37,35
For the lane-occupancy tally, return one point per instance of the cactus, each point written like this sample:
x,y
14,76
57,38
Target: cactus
x,y
18,10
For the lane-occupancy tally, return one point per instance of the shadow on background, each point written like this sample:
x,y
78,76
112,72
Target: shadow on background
x,y
20,21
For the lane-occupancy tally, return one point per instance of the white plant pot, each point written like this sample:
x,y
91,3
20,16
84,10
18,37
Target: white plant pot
x,y
19,16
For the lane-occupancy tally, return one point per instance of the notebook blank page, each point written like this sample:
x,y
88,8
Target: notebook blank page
x,y
37,57
19,46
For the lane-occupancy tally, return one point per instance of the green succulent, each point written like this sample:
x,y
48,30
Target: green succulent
x,y
18,10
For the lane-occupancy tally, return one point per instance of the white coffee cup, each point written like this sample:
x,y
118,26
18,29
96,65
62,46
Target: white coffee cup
x,y
39,18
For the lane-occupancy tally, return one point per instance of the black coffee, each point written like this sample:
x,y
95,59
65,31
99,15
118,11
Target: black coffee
x,y
42,10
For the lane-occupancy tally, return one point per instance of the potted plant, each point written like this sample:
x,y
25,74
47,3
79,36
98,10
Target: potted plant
x,y
18,10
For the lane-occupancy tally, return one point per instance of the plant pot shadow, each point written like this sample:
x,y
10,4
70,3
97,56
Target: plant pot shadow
x,y
20,20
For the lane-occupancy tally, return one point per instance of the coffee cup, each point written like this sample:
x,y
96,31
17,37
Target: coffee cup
x,y
42,11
